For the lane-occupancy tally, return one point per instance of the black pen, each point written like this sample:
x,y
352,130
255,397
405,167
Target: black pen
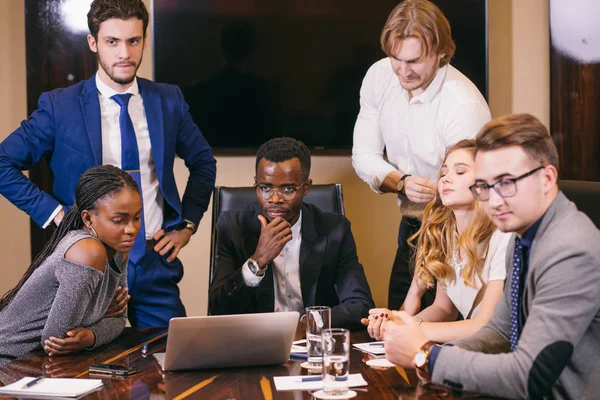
x,y
376,344
32,382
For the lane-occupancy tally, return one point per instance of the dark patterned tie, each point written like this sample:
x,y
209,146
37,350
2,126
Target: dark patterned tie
x,y
130,163
514,294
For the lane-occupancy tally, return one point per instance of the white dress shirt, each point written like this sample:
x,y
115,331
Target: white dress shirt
x,y
494,269
415,132
111,149
286,274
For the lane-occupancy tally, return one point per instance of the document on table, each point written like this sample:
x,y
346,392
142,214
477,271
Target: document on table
x,y
299,349
51,388
306,382
375,348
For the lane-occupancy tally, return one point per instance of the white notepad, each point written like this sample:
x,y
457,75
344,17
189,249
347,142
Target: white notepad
x,y
295,382
52,387
375,348
299,347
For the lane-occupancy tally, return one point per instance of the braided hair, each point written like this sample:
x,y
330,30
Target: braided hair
x,y
92,187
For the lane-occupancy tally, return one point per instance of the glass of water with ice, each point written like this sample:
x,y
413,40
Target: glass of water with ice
x,y
317,319
336,360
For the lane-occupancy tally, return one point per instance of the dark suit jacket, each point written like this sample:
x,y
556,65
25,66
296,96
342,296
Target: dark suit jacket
x,y
330,274
66,128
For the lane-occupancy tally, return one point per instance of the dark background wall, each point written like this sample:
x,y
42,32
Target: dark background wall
x,y
57,56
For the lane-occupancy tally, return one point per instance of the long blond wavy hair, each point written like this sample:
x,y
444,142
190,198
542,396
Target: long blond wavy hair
x,y
437,240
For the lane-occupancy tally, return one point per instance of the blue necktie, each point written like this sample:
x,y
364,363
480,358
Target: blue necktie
x,y
514,294
130,163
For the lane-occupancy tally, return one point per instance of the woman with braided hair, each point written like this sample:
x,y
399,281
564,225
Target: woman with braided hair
x,y
61,302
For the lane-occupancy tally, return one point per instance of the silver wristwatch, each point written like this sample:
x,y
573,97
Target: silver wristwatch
x,y
254,268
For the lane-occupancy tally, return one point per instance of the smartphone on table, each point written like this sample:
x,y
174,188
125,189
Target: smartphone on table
x,y
113,369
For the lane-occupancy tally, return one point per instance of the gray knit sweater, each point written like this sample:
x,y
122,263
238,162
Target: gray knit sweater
x,y
61,295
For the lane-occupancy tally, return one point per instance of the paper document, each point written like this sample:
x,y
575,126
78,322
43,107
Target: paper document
x,y
51,387
296,383
160,358
375,348
299,349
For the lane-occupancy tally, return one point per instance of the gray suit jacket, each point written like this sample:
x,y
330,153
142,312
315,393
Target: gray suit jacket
x,y
558,354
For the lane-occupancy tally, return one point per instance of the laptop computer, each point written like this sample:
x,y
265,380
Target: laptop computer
x,y
229,341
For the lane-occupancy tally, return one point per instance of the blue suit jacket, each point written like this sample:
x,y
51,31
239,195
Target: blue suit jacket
x,y
330,273
66,128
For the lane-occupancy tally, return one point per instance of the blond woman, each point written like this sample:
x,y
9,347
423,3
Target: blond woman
x,y
458,247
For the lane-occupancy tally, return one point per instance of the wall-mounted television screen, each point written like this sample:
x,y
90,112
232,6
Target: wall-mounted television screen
x,y
256,69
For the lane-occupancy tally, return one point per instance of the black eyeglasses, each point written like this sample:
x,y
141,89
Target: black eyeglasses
x,y
287,192
504,188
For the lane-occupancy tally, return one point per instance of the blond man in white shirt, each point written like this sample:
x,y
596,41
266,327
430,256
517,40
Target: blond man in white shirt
x,y
415,105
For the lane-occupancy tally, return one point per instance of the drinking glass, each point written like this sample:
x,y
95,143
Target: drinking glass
x,y
336,360
317,319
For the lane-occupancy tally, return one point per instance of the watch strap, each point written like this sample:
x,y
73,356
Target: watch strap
x,y
426,348
402,190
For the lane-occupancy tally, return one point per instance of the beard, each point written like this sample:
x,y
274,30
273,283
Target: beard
x,y
412,86
121,80
423,81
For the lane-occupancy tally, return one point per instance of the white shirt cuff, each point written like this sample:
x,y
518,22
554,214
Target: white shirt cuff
x,y
54,214
250,279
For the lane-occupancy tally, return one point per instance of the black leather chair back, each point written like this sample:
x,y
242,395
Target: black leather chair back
x,y
585,195
328,198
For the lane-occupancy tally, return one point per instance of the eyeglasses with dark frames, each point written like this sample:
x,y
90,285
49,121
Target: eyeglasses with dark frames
x,y
286,192
504,188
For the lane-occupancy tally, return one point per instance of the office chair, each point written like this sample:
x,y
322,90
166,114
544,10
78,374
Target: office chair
x,y
328,198
585,195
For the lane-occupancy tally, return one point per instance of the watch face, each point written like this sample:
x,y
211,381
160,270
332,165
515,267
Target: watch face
x,y
252,267
420,358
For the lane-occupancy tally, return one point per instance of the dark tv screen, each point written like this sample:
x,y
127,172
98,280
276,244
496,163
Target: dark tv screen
x,y
253,70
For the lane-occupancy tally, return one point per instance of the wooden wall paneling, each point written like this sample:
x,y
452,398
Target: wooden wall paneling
x,y
575,87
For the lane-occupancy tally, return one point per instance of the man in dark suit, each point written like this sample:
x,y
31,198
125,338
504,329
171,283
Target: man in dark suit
x,y
280,254
119,119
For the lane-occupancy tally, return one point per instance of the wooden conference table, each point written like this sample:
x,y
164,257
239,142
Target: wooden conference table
x,y
232,383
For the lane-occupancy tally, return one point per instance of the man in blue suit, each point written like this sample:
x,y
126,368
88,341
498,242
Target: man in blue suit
x,y
133,123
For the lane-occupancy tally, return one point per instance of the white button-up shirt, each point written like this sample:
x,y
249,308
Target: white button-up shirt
x,y
415,133
286,274
111,149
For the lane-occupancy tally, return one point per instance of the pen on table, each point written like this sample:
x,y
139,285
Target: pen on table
x,y
145,349
312,378
316,378
298,356
377,344
32,382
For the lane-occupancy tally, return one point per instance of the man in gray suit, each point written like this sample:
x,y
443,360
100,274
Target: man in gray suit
x,y
544,338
